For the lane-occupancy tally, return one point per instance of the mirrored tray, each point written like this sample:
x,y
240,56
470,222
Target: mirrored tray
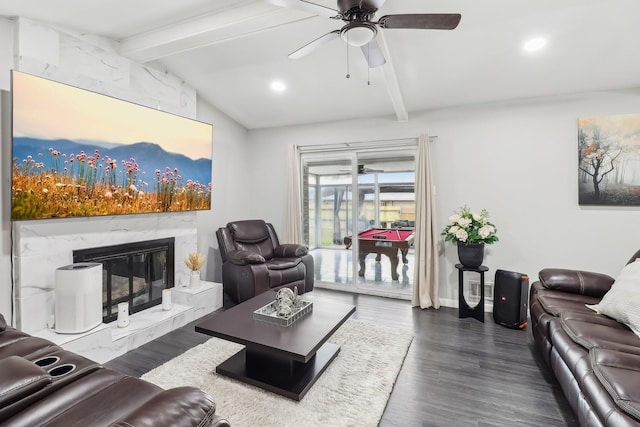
x,y
269,313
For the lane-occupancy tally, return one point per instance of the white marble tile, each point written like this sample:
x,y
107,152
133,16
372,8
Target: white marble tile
x,y
94,61
204,300
146,322
32,312
70,339
37,41
108,341
101,351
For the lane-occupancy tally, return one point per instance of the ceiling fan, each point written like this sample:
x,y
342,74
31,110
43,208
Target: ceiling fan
x,y
362,170
360,29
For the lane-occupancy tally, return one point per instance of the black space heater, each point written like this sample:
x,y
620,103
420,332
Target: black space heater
x,y
511,299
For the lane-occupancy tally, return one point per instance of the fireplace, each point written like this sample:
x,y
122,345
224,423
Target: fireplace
x,y
133,272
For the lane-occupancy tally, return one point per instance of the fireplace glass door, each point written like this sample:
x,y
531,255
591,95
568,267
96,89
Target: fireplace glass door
x,y
135,273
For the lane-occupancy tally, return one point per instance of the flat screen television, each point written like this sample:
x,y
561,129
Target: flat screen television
x,y
78,153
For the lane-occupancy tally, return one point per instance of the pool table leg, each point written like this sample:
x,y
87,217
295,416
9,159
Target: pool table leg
x,y
394,266
404,255
361,259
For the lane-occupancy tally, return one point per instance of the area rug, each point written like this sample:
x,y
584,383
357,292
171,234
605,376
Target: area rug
x,y
353,391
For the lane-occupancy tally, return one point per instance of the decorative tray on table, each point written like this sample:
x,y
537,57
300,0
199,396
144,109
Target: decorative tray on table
x,y
281,314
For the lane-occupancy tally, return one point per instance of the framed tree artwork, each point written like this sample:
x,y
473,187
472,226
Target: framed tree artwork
x,y
609,160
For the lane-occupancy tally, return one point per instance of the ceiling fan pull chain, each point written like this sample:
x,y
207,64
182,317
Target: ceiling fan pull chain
x,y
348,75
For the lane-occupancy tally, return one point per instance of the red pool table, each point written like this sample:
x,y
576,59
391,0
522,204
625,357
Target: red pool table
x,y
383,241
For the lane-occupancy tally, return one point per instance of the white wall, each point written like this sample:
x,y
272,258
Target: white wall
x,y
518,160
231,178
6,62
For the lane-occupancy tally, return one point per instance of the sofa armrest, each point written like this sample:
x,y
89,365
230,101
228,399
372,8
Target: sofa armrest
x,y
20,378
176,407
576,281
244,258
290,250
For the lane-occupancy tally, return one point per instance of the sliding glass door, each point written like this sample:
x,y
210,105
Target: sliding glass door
x,y
359,214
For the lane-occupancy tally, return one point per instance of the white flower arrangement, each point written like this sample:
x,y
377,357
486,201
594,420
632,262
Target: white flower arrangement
x,y
470,227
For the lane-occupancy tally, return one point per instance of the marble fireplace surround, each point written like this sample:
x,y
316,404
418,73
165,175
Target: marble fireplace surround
x,y
40,247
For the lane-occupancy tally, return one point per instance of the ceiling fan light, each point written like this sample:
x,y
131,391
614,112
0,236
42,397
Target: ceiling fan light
x,y
358,33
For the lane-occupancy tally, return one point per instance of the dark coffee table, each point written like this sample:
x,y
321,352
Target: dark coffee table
x,y
284,360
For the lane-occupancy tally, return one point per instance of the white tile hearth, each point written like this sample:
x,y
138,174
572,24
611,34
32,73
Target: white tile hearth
x,y
108,341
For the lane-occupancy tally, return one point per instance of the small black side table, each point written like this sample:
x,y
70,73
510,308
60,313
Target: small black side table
x,y
464,310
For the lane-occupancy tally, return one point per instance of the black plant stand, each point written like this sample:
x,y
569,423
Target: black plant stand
x,y
464,310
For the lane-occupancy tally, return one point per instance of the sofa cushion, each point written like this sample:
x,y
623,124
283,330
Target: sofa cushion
x,y
619,373
283,263
252,231
245,258
20,378
555,302
177,407
28,347
574,355
622,302
593,335
575,281
289,250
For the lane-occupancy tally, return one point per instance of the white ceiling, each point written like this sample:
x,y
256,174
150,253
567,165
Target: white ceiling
x,y
231,50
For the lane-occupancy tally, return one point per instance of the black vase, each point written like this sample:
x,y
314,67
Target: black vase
x,y
471,254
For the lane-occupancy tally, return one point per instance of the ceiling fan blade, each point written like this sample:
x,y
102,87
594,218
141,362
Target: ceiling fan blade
x,y
373,53
310,47
422,21
306,6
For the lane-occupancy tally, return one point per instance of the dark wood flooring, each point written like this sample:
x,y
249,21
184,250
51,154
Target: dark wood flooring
x,y
458,372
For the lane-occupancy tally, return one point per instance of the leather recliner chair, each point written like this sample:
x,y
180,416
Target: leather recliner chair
x,y
254,261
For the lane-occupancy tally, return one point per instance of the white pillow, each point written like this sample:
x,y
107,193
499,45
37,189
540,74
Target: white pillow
x,y
622,301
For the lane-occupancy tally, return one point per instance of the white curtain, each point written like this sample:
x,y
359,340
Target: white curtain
x,y
293,220
425,277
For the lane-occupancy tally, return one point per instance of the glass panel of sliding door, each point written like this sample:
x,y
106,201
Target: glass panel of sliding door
x,y
328,218
385,206
358,220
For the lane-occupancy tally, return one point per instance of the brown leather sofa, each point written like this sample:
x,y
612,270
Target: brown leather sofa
x,y
595,359
254,261
43,385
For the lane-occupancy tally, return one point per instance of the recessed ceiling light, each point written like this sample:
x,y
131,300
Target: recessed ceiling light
x,y
534,44
278,86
